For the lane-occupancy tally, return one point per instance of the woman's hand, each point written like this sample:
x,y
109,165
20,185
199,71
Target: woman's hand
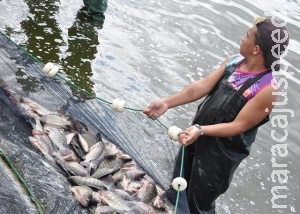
x,y
156,109
189,136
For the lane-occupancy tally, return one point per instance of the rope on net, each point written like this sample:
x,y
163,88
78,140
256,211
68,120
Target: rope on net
x,y
179,183
22,180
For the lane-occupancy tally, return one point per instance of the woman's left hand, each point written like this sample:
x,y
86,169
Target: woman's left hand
x,y
189,136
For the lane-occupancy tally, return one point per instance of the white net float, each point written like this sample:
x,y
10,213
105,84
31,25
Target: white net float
x,y
121,105
176,133
179,184
53,71
173,132
48,67
118,105
115,104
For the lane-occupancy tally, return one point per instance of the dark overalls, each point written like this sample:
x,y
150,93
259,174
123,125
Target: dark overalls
x,y
210,162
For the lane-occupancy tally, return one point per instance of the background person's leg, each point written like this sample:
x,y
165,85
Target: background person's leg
x,y
96,9
86,2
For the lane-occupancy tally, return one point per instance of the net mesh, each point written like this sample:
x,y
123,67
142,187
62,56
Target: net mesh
x,y
144,140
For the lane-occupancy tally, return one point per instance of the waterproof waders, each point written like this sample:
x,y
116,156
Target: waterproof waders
x,y
210,162
96,9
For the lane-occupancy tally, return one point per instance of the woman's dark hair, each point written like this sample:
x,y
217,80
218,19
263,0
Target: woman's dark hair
x,y
258,41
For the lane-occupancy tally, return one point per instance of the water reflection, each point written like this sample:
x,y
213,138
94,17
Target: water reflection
x,y
82,44
41,30
45,40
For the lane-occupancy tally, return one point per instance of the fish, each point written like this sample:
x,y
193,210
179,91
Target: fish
x,y
43,148
77,125
131,173
147,191
72,168
124,183
141,208
29,110
111,150
104,179
105,210
12,99
55,120
82,194
134,174
37,108
125,195
91,182
123,157
73,141
56,136
108,166
116,202
96,198
88,139
159,203
44,139
93,164
38,126
95,151
117,176
134,186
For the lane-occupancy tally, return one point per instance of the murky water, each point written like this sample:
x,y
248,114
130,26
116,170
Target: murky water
x,y
150,49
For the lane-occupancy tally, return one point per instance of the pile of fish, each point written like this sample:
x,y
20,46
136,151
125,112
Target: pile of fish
x,y
104,179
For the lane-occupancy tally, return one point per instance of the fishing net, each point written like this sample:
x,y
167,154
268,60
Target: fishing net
x,y
144,140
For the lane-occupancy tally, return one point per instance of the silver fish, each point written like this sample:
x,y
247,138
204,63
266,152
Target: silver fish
x,y
56,120
134,174
37,108
74,143
38,125
72,168
41,147
125,195
134,186
105,210
159,203
123,157
94,158
111,150
96,198
141,208
147,192
83,143
44,139
113,200
56,136
118,175
91,182
83,194
89,139
107,166
123,184
95,151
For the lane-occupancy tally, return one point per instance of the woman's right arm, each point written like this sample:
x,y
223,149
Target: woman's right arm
x,y
190,93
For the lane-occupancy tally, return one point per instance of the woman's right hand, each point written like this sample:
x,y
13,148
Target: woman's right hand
x,y
156,109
